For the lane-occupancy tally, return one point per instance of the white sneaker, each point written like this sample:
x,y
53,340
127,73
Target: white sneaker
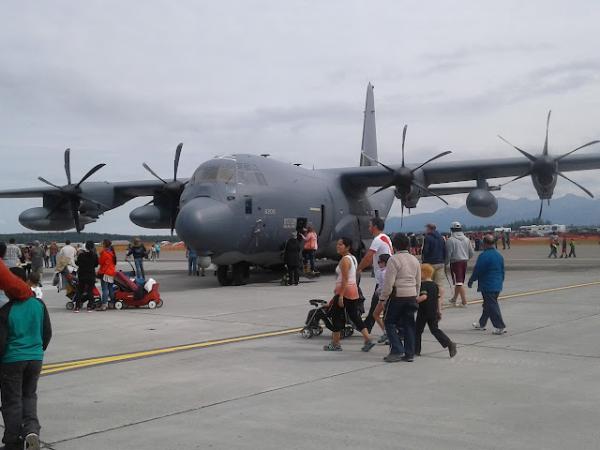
x,y
499,331
477,326
32,442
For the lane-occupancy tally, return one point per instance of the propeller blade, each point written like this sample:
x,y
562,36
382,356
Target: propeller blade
x,y
75,214
431,159
147,167
401,214
541,208
403,139
529,156
517,178
433,194
177,156
560,174
383,188
377,162
545,152
68,164
91,172
43,180
578,148
58,206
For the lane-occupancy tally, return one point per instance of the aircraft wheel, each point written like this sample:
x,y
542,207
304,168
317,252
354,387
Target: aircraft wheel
x,y
223,275
119,305
70,306
152,304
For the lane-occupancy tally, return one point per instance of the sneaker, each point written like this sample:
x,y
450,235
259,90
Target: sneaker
x,y
382,339
393,357
499,331
32,442
478,327
102,307
331,347
368,346
452,302
408,358
463,305
76,310
452,349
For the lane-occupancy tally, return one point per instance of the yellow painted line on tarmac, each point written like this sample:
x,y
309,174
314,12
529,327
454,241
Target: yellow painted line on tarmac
x,y
48,369
54,368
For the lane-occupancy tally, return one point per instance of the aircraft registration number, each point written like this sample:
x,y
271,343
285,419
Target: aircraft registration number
x,y
270,211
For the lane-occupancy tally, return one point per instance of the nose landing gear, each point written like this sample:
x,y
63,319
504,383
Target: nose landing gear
x,y
236,274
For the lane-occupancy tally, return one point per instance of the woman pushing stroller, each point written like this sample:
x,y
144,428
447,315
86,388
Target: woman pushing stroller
x,y
106,273
86,261
346,298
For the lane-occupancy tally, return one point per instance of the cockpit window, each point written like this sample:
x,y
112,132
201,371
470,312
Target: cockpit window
x,y
250,174
218,170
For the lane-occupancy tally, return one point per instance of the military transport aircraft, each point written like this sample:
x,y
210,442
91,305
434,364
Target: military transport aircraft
x,y
239,209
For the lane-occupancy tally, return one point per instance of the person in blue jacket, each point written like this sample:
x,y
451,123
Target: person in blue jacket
x,y
489,274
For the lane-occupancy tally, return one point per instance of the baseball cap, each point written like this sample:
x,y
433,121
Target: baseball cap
x,y
455,226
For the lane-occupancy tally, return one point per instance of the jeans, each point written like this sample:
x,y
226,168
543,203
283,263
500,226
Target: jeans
x,y
19,400
52,260
401,312
192,265
309,258
108,291
139,267
491,310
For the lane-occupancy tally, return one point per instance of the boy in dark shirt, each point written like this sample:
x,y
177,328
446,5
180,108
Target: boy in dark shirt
x,y
429,312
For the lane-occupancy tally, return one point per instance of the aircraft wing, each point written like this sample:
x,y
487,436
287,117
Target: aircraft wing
x,y
457,171
27,192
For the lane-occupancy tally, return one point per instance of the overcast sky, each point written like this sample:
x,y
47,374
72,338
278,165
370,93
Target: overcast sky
x,y
124,82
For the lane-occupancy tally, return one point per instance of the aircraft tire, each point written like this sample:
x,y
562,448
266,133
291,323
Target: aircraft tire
x,y
225,279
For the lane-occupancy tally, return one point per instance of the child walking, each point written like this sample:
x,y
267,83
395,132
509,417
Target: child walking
x,y
25,332
429,312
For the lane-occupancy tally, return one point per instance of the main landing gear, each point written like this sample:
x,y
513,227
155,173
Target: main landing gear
x,y
236,274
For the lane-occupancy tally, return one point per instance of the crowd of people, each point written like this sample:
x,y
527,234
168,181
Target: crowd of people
x,y
407,287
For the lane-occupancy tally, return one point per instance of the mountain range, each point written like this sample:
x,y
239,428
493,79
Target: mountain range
x,y
568,210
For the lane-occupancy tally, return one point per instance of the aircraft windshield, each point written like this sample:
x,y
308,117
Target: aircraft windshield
x,y
219,170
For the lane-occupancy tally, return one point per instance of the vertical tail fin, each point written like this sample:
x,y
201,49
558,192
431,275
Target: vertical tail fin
x,y
369,138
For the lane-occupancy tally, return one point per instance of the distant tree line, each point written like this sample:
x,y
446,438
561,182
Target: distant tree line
x,y
24,238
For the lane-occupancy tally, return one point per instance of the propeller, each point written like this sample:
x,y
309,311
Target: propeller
x,y
172,189
71,194
545,167
404,178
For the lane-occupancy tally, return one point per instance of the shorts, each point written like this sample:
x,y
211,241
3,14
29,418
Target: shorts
x,y
438,274
458,269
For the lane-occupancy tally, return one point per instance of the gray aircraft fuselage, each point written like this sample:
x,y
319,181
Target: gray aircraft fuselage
x,y
243,208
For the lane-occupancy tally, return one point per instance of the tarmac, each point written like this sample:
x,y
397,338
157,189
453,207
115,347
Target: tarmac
x,y
225,368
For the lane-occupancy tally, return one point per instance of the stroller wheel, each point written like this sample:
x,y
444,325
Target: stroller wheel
x,y
160,303
347,332
318,331
119,304
306,333
151,304
70,306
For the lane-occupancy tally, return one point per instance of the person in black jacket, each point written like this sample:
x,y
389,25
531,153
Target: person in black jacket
x,y
139,252
434,253
291,258
87,261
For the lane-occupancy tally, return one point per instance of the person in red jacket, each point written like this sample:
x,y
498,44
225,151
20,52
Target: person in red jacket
x,y
106,273
12,285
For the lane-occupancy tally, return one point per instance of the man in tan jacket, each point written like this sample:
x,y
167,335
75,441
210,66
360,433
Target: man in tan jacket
x,y
404,275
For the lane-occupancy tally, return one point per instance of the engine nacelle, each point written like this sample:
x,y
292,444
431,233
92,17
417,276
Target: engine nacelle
x,y
37,219
481,203
151,216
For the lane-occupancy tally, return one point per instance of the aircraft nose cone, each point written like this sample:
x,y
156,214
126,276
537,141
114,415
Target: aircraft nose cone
x,y
203,223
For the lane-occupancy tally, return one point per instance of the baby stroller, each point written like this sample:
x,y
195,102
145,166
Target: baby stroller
x,y
132,291
319,314
71,283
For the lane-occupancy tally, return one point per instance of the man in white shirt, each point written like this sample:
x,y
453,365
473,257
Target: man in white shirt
x,y
69,252
458,254
381,245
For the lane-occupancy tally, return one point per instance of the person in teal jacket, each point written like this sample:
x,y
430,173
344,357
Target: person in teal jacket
x,y
25,333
